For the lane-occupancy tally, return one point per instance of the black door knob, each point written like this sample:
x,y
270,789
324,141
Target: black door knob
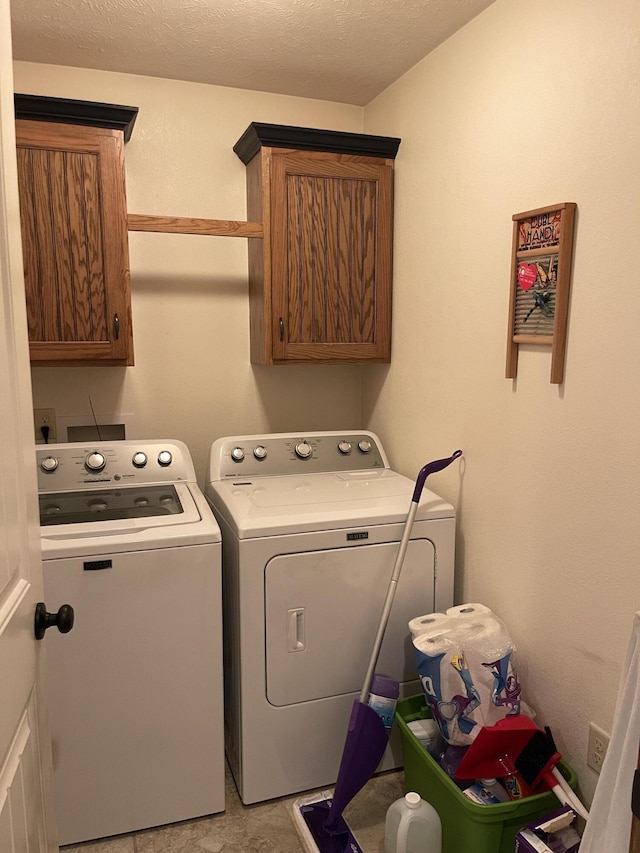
x,y
63,619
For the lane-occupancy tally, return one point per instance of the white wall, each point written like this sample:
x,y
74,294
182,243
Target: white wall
x,y
192,378
528,105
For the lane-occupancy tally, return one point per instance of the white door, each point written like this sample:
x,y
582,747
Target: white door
x,y
26,825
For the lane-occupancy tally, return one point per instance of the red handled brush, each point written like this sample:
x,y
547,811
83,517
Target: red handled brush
x,y
537,762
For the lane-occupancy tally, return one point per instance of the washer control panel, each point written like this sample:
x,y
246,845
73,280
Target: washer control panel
x,y
287,453
64,467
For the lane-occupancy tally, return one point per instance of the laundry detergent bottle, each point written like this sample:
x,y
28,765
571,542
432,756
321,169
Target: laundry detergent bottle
x,y
412,826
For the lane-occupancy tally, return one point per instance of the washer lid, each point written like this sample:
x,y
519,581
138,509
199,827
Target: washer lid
x,y
195,525
269,506
119,504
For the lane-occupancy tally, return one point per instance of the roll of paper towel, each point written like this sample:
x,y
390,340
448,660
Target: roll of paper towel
x,y
469,611
427,624
465,663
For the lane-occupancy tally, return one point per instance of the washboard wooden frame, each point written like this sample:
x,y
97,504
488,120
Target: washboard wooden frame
x,y
541,258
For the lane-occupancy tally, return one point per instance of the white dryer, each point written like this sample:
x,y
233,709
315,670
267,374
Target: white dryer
x,y
135,689
310,528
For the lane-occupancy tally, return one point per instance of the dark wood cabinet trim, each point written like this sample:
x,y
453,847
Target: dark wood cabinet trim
x,y
259,135
68,111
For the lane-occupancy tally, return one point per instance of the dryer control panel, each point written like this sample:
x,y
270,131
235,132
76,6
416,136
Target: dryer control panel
x,y
295,453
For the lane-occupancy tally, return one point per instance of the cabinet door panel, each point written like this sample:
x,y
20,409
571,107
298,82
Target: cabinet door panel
x,y
331,258
31,255
94,325
62,313
295,258
331,253
321,280
73,215
78,243
344,307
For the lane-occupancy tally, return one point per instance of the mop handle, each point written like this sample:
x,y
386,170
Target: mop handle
x,y
429,468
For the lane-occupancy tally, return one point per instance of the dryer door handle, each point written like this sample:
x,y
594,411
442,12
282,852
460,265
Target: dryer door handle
x,y
295,630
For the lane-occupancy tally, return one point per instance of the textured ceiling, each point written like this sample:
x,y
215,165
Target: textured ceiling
x,y
338,50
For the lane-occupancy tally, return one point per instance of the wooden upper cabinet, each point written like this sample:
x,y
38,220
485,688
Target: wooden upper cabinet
x,y
73,212
320,280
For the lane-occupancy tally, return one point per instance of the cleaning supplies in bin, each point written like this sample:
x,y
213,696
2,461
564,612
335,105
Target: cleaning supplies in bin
x,y
487,792
450,762
467,827
519,752
466,667
552,834
428,735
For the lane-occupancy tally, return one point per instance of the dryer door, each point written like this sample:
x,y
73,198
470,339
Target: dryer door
x,y
322,610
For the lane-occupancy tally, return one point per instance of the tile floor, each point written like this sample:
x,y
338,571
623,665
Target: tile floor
x,y
261,828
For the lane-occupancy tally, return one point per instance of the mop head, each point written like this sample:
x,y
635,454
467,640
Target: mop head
x,y
309,816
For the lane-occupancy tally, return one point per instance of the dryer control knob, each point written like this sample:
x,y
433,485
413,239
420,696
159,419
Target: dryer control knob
x,y
139,459
165,458
364,446
344,447
95,461
303,449
49,463
260,452
237,454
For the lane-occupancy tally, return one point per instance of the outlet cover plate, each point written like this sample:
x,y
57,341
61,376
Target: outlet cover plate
x,y
45,417
597,747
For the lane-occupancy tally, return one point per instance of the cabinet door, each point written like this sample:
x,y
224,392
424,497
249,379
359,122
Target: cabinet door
x,y
331,247
75,243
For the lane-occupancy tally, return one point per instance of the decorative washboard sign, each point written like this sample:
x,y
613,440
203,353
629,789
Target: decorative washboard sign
x,y
540,278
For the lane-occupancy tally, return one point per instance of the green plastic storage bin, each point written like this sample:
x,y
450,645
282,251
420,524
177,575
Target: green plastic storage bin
x,y
467,827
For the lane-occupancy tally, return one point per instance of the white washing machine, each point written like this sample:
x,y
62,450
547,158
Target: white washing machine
x,y
310,528
135,689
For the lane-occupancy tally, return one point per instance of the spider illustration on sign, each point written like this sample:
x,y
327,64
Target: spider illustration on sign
x,y
541,300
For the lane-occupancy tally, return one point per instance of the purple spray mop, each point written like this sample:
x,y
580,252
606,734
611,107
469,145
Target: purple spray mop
x,y
366,737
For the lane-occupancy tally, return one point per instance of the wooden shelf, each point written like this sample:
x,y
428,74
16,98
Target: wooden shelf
x,y
189,225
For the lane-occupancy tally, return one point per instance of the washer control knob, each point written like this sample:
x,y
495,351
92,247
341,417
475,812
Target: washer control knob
x,y
303,449
260,452
49,463
364,446
139,459
237,454
165,458
95,461
344,447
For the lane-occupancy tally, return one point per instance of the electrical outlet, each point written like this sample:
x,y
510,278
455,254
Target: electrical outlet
x,y
45,418
598,745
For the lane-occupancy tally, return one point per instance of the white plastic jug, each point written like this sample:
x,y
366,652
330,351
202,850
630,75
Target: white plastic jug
x,y
412,826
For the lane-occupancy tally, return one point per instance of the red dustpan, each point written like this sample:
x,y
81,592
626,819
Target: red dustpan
x,y
495,749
